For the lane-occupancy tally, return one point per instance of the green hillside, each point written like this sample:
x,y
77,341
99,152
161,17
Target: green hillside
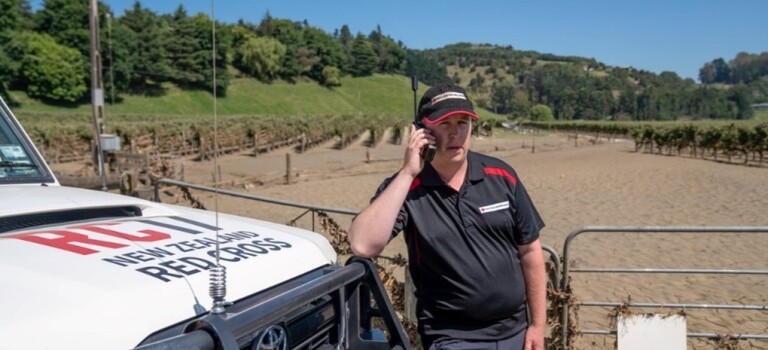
x,y
377,95
761,115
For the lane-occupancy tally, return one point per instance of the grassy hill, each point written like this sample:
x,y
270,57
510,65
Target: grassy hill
x,y
761,115
251,112
377,95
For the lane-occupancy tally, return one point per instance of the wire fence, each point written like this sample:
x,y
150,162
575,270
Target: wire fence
x,y
563,305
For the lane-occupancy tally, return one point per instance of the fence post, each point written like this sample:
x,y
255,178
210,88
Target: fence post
x,y
287,168
409,295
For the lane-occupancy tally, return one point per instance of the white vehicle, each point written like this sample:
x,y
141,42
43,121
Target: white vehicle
x,y
83,269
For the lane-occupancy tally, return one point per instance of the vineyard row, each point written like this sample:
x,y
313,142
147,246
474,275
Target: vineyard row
x,y
64,142
745,140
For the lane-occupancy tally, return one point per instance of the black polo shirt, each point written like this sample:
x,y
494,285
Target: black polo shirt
x,y
463,250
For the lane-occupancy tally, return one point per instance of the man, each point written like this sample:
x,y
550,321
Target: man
x,y
472,235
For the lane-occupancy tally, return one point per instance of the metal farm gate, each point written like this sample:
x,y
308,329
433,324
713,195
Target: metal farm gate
x,y
755,286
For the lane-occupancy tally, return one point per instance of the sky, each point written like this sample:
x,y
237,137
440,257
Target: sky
x,y
653,35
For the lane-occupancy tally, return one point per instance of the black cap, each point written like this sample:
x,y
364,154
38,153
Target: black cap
x,y
444,100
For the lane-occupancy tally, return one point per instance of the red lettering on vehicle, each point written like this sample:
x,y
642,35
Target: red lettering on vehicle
x,y
73,241
149,235
65,240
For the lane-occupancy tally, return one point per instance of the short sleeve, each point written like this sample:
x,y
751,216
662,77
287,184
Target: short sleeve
x,y
528,222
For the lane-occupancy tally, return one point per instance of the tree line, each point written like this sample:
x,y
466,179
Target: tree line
x,y
516,83
745,68
47,54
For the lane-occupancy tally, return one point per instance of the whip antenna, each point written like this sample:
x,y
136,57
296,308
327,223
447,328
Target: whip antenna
x,y
218,274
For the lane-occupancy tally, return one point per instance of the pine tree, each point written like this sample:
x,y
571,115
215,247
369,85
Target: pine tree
x,y
364,57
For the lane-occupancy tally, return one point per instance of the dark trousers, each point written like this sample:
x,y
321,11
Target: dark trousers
x,y
514,342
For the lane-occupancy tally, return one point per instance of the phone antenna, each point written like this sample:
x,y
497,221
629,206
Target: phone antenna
x,y
415,88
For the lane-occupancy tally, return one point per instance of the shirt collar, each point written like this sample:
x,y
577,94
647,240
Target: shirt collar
x,y
429,176
476,168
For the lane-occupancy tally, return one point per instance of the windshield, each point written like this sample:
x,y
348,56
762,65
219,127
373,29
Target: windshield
x,y
18,162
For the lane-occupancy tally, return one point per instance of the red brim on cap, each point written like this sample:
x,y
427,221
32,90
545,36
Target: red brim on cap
x,y
471,114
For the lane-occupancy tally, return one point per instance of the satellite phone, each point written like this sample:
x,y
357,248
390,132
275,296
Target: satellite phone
x,y
428,151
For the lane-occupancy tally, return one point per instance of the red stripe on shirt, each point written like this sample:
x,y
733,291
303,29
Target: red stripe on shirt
x,y
416,182
501,172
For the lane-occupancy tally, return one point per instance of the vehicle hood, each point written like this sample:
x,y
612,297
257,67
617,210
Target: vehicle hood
x,y
109,283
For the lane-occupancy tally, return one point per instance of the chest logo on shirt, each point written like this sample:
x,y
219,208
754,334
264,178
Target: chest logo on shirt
x,y
494,207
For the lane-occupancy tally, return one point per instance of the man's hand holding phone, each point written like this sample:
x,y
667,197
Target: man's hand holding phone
x,y
427,152
419,141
